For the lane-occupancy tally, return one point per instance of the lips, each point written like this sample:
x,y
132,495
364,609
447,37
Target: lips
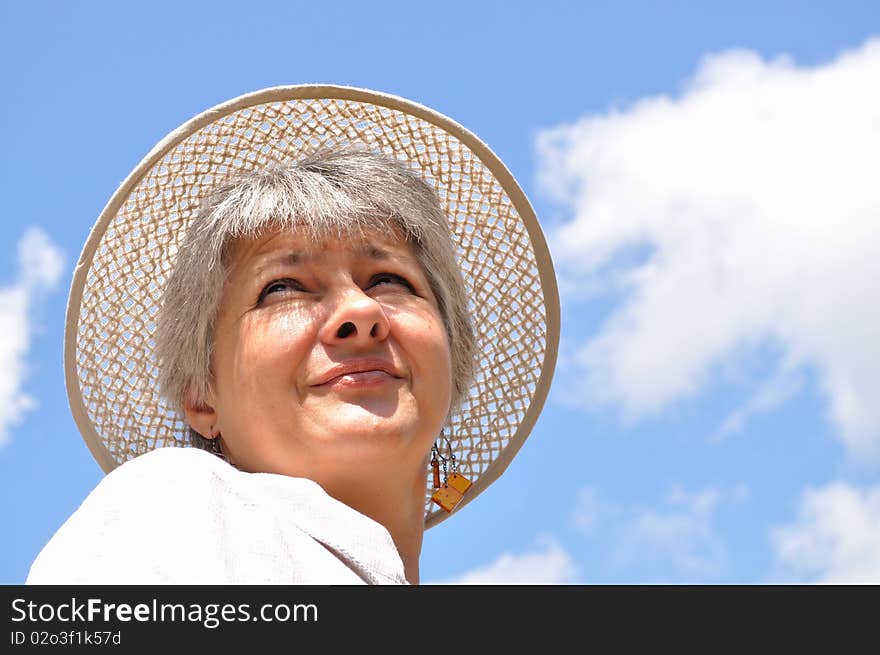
x,y
363,371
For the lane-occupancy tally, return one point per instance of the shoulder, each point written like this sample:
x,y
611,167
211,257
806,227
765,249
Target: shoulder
x,y
138,521
158,483
184,516
169,464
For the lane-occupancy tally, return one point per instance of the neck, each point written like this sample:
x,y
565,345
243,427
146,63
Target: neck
x,y
398,505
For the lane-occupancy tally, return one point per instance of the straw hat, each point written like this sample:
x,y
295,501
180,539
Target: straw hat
x,y
117,287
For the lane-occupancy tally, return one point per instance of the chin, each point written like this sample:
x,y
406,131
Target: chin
x,y
367,425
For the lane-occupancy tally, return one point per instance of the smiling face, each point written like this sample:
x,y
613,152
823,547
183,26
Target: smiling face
x,y
330,362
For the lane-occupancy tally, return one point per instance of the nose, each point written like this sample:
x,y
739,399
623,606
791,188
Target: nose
x,y
357,319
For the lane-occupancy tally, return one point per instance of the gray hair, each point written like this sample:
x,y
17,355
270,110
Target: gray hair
x,y
339,193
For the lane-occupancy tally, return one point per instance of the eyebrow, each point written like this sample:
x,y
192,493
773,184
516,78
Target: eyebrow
x,y
367,251
371,251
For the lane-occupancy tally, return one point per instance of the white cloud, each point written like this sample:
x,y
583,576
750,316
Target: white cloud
x,y
680,534
743,213
769,395
550,565
40,266
836,538
675,539
588,510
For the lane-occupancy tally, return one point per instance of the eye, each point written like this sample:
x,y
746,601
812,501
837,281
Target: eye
x,y
382,279
279,286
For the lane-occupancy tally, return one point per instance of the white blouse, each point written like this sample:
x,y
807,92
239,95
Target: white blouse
x,y
183,516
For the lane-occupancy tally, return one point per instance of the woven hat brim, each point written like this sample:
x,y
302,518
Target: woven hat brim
x,y
110,371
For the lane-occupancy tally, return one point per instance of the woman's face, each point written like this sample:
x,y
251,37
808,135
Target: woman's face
x,y
329,362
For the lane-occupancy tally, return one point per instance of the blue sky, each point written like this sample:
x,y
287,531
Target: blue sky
x,y
705,174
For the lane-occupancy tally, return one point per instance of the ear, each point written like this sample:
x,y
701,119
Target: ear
x,y
201,416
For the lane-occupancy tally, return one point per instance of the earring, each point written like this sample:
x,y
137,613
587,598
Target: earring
x,y
454,486
435,465
215,445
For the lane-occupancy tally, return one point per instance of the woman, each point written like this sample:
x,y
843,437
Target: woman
x,y
335,295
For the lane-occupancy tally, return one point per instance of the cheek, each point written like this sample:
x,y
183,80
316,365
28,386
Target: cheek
x,y
430,350
267,347
443,350
437,371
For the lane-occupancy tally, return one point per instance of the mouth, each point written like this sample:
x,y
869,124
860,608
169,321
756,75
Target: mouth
x,y
361,373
